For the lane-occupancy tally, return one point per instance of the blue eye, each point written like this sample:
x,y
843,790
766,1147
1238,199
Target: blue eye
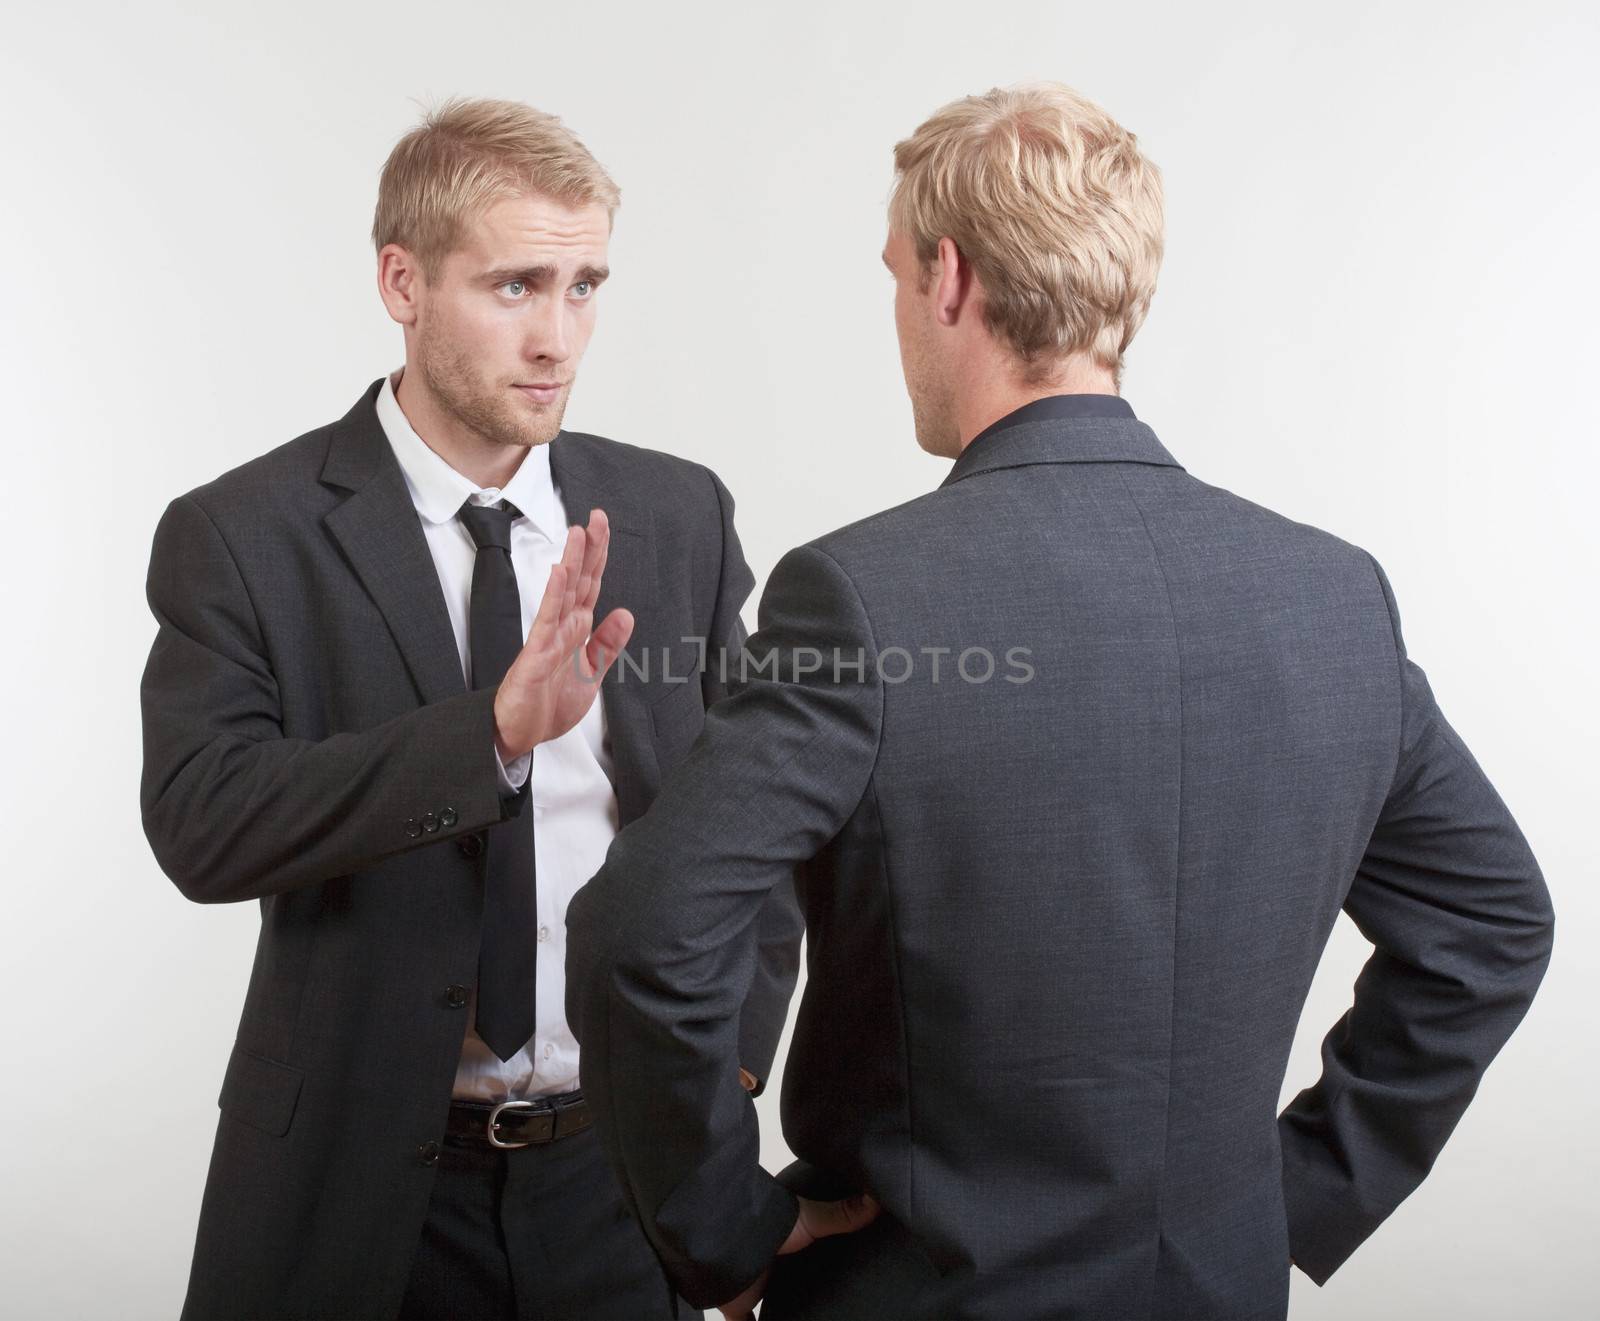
x,y
586,285
520,284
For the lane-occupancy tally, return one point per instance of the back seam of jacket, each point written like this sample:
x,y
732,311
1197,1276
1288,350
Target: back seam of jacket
x,y
1172,1007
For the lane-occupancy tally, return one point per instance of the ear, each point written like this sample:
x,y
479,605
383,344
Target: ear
x,y
953,274
400,283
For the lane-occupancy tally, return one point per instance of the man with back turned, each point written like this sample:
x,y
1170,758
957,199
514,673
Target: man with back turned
x,y
1094,756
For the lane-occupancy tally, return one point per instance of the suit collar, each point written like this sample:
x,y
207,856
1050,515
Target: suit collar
x,y
1052,406
356,445
1058,438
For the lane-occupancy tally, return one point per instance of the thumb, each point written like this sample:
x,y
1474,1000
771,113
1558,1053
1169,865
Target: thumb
x,y
825,1219
607,641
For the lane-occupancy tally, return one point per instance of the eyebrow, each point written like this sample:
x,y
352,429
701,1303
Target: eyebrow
x,y
541,274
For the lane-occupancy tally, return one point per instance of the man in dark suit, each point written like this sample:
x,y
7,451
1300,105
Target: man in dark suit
x,y
1081,757
371,706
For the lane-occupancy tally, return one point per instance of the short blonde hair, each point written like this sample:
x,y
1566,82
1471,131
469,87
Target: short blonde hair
x,y
466,155
1054,206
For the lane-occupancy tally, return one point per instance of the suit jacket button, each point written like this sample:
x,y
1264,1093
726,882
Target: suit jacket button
x,y
428,1153
413,827
455,996
448,817
471,846
430,823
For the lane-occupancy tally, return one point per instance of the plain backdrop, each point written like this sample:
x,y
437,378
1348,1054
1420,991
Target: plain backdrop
x,y
1376,315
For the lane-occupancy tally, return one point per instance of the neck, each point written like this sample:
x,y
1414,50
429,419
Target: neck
x,y
996,389
485,462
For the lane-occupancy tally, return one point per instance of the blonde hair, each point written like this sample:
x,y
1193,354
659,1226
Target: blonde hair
x,y
466,155
1055,208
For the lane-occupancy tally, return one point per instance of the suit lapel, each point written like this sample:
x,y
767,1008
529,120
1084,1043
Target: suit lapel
x,y
587,480
382,537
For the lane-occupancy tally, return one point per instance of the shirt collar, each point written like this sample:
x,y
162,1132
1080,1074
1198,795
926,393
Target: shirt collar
x,y
438,491
1058,406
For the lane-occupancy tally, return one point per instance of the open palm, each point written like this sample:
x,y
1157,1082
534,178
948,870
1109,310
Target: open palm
x,y
556,676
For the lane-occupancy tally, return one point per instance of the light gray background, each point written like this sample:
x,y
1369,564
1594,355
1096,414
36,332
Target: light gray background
x,y
1375,315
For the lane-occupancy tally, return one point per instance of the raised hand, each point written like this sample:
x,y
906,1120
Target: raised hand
x,y
557,674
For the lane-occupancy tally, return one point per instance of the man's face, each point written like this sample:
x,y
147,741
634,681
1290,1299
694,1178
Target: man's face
x,y
928,382
502,326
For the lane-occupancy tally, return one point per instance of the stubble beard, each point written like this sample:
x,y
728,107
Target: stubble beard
x,y
501,419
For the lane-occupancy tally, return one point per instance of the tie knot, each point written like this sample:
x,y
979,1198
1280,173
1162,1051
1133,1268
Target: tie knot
x,y
489,525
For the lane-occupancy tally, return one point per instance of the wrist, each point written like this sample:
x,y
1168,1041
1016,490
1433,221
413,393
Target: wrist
x,y
507,756
508,753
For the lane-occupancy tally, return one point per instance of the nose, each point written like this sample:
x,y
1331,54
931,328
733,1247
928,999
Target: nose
x,y
547,335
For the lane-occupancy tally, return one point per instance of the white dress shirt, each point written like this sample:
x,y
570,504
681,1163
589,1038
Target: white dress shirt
x,y
572,797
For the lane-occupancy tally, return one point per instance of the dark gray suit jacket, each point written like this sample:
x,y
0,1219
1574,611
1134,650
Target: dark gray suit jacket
x,y
1059,930
309,742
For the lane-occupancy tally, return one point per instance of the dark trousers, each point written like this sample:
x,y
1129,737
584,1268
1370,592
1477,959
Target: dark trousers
x,y
537,1233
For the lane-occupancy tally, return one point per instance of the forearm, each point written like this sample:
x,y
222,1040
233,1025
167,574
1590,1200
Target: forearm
x,y
777,967
780,926
665,940
1451,897
1403,1064
713,1214
232,818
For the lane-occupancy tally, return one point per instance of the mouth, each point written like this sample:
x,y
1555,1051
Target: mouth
x,y
542,394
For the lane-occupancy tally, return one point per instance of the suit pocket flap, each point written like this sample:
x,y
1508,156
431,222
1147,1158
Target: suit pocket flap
x,y
260,1092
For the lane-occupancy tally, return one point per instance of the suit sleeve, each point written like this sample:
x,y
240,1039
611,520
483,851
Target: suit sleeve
x,y
659,941
235,810
1457,910
780,926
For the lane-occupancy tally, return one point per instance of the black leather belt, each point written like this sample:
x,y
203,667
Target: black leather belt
x,y
519,1123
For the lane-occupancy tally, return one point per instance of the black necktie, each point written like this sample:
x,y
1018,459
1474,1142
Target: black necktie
x,y
506,951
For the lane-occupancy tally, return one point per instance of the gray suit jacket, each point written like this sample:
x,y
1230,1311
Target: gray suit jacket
x,y
309,742
1060,929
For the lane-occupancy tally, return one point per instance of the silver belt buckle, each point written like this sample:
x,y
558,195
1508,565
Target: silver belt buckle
x,y
494,1122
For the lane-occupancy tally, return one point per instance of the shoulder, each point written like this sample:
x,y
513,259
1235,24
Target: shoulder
x,y
283,482
897,541
900,532
1276,533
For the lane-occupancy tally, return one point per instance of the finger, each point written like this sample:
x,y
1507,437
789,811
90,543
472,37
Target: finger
x,y
856,1212
548,616
597,538
572,562
590,591
590,595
